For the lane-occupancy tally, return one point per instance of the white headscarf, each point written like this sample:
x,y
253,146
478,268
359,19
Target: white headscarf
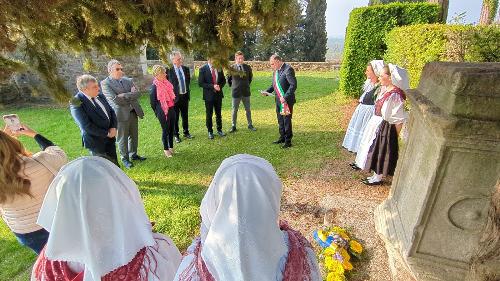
x,y
240,236
399,77
377,66
95,217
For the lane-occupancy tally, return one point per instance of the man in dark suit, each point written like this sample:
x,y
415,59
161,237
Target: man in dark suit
x,y
180,78
95,117
123,96
284,85
212,81
239,80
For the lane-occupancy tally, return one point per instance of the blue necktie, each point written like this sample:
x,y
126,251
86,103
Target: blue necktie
x,y
183,83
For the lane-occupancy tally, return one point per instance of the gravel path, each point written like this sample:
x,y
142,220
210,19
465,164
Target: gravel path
x,y
336,186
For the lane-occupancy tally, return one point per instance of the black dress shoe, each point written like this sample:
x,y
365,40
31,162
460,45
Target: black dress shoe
x,y
177,139
355,167
233,129
188,136
287,145
127,164
252,128
138,158
373,183
279,141
210,135
221,134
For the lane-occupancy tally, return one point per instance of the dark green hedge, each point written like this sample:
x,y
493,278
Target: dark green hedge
x,y
365,35
413,46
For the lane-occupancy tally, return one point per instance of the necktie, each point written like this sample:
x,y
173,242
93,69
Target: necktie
x,y
214,79
240,67
98,107
182,81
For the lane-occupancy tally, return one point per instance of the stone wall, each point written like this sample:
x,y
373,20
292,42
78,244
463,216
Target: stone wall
x,y
298,66
28,87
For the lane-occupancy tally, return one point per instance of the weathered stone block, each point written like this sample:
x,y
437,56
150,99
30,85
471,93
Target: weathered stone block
x,y
436,210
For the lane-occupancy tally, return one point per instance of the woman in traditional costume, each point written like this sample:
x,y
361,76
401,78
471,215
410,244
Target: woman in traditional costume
x,y
366,107
241,238
99,230
382,154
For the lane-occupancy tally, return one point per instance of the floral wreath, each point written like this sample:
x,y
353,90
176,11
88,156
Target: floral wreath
x,y
338,248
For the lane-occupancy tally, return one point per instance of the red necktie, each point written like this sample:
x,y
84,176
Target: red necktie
x,y
213,76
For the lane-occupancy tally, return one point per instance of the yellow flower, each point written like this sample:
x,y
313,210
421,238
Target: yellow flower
x,y
342,232
330,250
356,246
333,276
333,265
347,265
345,254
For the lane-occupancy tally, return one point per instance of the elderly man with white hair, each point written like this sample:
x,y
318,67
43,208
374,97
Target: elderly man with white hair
x,y
95,117
123,96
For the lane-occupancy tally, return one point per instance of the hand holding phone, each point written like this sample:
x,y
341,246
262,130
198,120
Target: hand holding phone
x,y
12,122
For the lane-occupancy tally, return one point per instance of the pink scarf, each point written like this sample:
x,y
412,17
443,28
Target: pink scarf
x,y
296,268
164,94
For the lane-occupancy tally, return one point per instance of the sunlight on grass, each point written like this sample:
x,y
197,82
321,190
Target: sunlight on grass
x,y
172,189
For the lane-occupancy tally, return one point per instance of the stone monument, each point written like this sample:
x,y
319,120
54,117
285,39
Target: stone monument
x,y
432,220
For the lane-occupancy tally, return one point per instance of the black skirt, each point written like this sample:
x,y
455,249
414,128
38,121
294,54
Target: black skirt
x,y
383,154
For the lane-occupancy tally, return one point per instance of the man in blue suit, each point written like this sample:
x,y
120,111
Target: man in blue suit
x,y
95,117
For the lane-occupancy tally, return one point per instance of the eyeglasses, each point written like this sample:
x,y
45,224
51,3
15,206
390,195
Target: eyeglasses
x,y
119,69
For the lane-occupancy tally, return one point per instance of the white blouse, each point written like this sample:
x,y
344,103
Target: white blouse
x,y
393,110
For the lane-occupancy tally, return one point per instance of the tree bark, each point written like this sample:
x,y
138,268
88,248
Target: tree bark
x,y
488,12
444,8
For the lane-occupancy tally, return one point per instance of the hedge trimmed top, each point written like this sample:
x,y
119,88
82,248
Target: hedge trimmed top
x,y
365,35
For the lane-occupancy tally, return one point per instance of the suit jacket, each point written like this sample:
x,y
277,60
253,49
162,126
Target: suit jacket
x,y
172,77
239,82
122,104
288,82
94,124
205,81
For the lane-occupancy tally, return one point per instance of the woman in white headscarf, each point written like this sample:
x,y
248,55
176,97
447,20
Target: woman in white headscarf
x,y
99,229
364,110
241,238
382,151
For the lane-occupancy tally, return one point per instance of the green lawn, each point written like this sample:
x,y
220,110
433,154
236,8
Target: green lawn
x,y
173,188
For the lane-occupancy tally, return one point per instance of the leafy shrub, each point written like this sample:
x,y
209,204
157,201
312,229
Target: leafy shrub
x,y
365,35
413,46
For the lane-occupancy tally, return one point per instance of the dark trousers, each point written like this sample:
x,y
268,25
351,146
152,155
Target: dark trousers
x,y
181,110
35,240
210,106
285,124
167,127
108,151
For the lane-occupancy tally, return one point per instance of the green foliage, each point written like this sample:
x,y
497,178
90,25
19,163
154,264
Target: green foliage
x,y
315,31
42,28
172,188
413,46
381,2
366,32
492,9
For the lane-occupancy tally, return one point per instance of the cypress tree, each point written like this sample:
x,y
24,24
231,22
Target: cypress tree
x,y
315,31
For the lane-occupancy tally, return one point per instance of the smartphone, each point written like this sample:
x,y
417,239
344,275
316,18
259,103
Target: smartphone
x,y
12,121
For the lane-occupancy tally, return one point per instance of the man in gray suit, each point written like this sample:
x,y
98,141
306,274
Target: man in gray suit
x,y
239,79
123,96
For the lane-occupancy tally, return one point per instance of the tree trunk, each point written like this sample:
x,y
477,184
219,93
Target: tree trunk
x,y
444,8
488,12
